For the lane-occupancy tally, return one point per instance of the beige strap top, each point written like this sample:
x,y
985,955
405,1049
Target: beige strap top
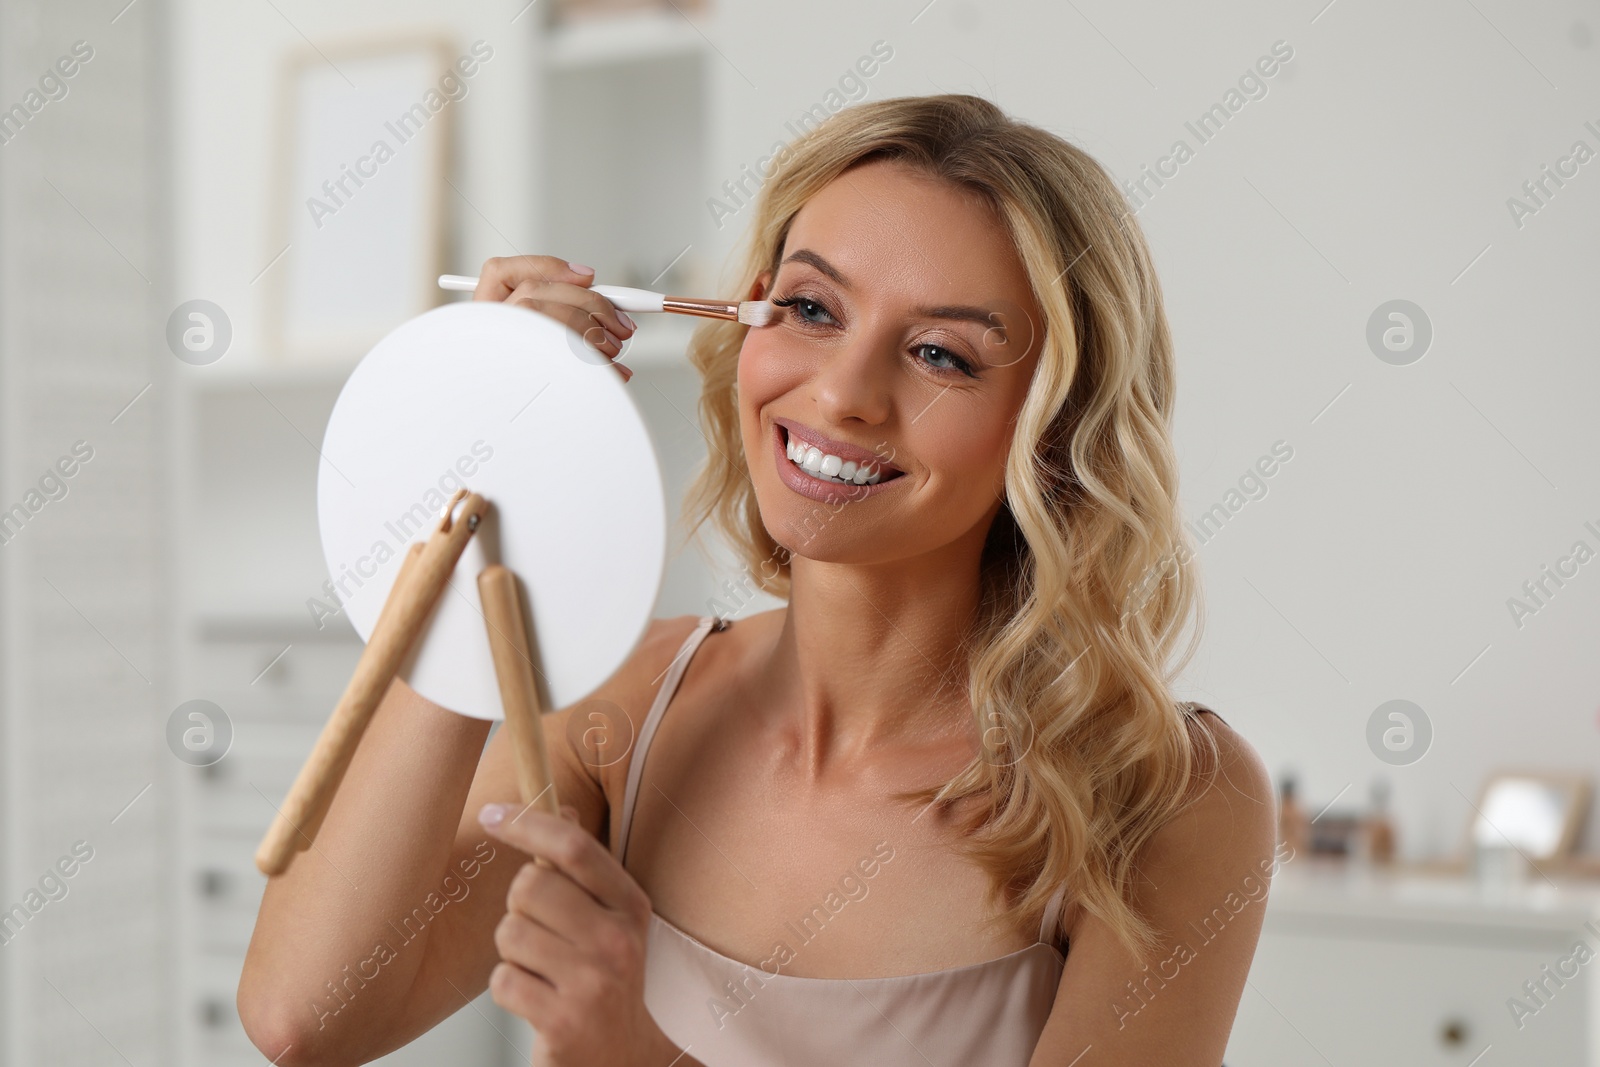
x,y
726,1013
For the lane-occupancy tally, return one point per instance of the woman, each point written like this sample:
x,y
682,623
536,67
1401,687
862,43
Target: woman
x,y
876,820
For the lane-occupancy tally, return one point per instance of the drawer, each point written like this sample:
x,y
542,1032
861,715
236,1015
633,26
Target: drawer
x,y
1319,999
226,898
239,807
260,678
479,1034
265,753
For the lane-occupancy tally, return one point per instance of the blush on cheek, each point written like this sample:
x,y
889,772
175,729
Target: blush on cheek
x,y
972,463
769,367
753,392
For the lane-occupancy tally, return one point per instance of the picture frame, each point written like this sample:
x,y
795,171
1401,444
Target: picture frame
x,y
357,207
1540,813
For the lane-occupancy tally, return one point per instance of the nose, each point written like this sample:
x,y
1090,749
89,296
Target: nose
x,y
854,381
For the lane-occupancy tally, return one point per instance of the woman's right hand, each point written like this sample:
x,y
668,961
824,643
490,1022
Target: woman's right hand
x,y
560,290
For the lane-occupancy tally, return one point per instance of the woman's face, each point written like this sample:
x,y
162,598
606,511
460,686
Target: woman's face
x,y
911,344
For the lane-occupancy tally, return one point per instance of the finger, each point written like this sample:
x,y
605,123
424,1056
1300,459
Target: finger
x,y
580,322
579,295
536,949
592,330
500,275
571,849
550,898
524,995
602,310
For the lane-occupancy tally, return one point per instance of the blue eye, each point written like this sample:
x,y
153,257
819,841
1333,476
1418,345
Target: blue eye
x,y
805,308
956,365
813,313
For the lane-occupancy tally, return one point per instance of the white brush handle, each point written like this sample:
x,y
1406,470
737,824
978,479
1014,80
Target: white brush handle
x,y
624,298
641,300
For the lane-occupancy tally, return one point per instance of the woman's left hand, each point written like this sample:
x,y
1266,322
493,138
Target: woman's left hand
x,y
572,946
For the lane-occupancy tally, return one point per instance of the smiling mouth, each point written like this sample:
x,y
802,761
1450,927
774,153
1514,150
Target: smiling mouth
x,y
824,467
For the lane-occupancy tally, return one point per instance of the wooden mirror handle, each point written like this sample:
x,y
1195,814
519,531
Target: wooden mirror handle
x,y
408,606
519,695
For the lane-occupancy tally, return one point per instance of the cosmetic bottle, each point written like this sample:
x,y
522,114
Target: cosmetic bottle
x,y
1294,829
1378,831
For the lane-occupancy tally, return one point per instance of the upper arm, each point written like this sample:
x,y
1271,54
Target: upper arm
x,y
1203,885
459,952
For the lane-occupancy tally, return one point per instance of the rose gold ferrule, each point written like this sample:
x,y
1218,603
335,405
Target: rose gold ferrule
x,y
711,309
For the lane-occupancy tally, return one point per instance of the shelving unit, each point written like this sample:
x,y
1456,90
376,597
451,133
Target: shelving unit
x,y
620,40
624,152
627,97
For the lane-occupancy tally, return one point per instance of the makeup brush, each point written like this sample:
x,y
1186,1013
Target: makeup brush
x,y
749,312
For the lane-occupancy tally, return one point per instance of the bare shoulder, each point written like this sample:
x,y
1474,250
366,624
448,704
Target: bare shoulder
x,y
1233,811
588,739
600,731
1228,827
630,691
642,673
1202,883
1240,773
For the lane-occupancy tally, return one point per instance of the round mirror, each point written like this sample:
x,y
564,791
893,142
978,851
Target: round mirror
x,y
496,399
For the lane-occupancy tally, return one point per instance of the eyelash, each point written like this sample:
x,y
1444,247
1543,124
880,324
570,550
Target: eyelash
x,y
962,367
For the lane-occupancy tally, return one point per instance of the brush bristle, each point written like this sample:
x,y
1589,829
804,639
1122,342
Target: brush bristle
x,y
757,312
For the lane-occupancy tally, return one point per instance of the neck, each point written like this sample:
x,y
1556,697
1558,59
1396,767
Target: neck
x,y
871,657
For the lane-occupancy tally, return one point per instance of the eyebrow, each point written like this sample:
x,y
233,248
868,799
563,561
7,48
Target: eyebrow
x,y
957,312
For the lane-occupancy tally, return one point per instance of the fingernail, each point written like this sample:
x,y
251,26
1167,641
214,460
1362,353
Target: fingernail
x,y
579,268
491,815
626,320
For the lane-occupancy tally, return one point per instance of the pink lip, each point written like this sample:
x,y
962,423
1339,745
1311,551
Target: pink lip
x,y
801,432
824,492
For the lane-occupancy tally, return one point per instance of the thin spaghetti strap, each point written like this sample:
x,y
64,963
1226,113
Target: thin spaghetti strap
x,y
680,663
1052,915
1194,708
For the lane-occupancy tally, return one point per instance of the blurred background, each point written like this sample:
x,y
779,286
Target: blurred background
x,y
1376,227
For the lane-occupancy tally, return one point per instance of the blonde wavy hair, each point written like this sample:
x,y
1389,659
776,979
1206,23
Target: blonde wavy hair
x,y
1086,574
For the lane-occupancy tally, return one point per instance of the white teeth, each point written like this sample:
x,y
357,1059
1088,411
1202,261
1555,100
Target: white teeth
x,y
828,468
